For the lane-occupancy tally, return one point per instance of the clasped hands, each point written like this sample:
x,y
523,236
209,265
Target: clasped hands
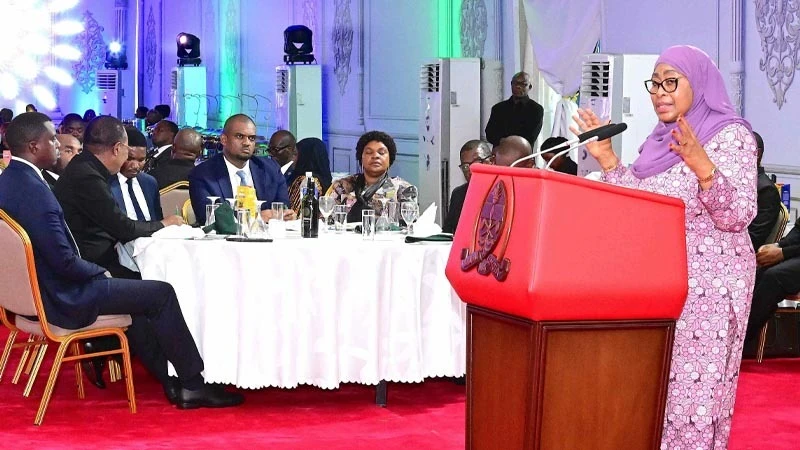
x,y
769,255
684,143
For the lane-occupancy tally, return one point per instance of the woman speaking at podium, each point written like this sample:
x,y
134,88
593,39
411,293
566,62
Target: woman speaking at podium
x,y
704,154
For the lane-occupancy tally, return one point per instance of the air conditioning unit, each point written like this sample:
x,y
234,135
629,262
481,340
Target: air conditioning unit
x,y
109,93
188,96
450,115
298,100
612,86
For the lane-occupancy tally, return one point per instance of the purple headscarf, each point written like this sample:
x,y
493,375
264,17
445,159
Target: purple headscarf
x,y
711,110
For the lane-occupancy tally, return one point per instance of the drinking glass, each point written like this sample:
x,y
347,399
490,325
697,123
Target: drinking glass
x,y
278,209
409,211
393,214
258,228
242,222
368,224
210,211
326,205
340,217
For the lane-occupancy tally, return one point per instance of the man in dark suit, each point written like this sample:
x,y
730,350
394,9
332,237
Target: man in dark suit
x,y
283,150
163,135
75,291
222,175
89,207
517,116
769,203
135,192
186,149
563,163
474,151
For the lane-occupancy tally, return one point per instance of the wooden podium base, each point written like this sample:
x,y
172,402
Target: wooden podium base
x,y
565,385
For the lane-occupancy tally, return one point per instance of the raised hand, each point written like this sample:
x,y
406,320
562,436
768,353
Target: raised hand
x,y
602,151
686,145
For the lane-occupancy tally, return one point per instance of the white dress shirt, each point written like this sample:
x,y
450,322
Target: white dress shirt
x,y
161,149
33,166
235,180
137,191
53,174
286,167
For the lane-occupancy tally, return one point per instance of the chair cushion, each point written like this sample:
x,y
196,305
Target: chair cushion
x,y
109,321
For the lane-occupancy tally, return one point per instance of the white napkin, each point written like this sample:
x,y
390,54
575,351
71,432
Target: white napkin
x,y
292,225
179,232
426,224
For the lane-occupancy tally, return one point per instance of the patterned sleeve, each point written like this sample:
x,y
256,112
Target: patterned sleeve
x,y
621,176
731,199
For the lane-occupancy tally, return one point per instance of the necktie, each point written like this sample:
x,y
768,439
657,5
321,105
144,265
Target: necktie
x,y
242,178
136,207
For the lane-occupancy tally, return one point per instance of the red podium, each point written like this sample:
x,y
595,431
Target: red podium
x,y
573,288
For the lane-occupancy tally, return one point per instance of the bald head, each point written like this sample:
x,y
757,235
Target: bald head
x,y
282,147
188,145
70,146
511,149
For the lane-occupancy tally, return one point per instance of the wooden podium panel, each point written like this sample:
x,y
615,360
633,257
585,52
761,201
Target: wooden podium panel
x,y
565,385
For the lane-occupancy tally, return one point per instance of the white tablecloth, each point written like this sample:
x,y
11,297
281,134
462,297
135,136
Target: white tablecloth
x,y
314,311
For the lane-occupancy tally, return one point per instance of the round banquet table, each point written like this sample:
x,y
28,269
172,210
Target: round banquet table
x,y
321,312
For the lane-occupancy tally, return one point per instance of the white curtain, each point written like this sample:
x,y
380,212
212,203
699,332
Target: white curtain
x,y
562,31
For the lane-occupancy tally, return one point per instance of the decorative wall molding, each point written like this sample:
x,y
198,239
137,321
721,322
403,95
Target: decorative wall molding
x,y
474,26
150,48
231,37
93,48
778,24
342,43
737,61
310,17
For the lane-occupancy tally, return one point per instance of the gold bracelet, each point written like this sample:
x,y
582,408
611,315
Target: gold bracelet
x,y
709,177
616,164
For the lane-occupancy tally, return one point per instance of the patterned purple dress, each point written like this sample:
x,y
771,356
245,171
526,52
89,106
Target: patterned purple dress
x,y
710,332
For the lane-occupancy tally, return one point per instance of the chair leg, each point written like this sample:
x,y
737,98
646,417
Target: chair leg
x,y
51,382
35,370
34,354
126,362
23,359
76,350
7,352
762,340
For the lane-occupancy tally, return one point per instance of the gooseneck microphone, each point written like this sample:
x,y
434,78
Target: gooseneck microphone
x,y
598,134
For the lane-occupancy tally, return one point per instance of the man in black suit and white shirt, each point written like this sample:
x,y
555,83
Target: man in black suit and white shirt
x,y
163,135
186,149
517,116
84,192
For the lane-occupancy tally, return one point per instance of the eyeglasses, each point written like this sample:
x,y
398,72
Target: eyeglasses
x,y
668,84
241,137
276,150
465,166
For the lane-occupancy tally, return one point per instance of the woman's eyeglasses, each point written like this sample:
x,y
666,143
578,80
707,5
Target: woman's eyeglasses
x,y
668,84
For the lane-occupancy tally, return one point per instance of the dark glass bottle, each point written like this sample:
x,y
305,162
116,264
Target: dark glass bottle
x,y
310,209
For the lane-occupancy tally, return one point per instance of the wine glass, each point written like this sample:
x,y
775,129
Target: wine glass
x,y
409,211
258,228
326,205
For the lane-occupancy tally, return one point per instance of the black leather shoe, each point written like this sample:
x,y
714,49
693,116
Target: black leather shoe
x,y
172,389
208,397
93,368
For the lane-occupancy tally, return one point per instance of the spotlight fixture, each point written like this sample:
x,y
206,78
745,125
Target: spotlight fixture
x,y
298,45
188,49
115,56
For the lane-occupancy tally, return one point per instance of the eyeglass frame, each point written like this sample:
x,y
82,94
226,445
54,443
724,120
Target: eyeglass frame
x,y
465,166
278,150
660,85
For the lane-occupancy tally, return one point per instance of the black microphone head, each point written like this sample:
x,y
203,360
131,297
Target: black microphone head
x,y
604,132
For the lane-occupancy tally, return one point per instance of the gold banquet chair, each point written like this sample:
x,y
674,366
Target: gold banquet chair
x,y
173,197
31,348
24,299
188,213
774,236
